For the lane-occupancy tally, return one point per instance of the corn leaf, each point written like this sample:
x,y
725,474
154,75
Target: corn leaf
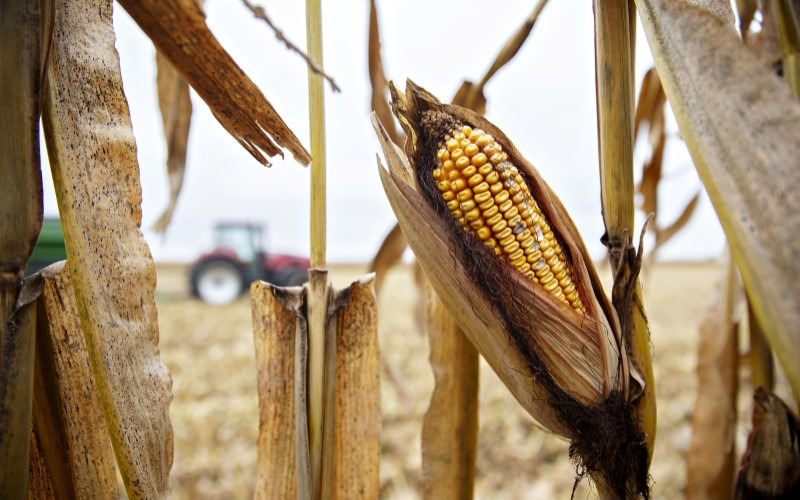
x,y
450,426
176,117
666,234
760,355
96,176
67,417
178,30
470,95
742,126
378,82
711,458
20,221
388,255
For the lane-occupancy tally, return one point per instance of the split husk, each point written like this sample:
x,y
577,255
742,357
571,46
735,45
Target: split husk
x,y
569,371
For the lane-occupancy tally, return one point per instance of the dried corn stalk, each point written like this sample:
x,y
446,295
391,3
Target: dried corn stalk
x,y
450,426
68,422
21,56
96,177
351,427
540,319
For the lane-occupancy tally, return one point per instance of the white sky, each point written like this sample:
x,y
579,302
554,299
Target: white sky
x,y
543,100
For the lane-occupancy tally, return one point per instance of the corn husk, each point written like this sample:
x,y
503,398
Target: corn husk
x,y
569,371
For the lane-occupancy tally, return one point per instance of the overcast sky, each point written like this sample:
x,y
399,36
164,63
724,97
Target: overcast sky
x,y
543,100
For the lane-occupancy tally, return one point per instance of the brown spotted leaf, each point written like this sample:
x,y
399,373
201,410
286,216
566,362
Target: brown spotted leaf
x,y
178,30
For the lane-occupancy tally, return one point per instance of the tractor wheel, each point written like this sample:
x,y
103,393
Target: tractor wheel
x,y
291,276
217,281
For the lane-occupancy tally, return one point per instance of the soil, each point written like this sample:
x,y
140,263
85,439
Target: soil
x,y
209,351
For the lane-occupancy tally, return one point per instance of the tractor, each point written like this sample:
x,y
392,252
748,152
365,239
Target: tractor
x,y
225,273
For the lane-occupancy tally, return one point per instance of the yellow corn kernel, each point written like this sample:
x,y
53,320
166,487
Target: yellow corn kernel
x,y
490,198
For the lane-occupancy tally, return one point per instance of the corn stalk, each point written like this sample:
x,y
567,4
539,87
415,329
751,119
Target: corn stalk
x,y
68,425
96,175
21,59
318,284
614,46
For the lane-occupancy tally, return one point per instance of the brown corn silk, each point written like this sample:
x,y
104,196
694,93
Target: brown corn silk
x,y
568,370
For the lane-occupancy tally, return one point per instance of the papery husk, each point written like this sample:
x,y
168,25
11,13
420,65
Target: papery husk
x,y
569,371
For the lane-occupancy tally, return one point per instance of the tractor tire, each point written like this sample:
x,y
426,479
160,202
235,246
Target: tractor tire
x,y
217,281
291,276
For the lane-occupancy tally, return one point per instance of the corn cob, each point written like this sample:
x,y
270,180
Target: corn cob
x,y
489,198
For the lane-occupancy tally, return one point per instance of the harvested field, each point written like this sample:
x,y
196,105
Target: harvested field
x,y
209,351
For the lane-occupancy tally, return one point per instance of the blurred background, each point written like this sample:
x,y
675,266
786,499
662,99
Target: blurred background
x,y
544,100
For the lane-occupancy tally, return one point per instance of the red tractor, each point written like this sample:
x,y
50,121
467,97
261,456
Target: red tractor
x,y
223,274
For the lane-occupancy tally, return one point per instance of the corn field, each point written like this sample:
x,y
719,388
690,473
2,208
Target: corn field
x,y
503,295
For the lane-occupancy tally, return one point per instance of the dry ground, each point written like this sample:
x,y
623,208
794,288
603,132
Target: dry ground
x,y
209,351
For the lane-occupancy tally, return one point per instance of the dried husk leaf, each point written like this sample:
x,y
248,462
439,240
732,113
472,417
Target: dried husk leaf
x,y
565,369
67,417
16,391
665,234
178,30
96,176
39,485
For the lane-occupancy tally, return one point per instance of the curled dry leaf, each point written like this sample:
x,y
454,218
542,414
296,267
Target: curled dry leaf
x,y
176,116
178,30
470,95
377,80
560,353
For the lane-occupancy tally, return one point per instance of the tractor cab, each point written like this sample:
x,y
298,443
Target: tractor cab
x,y
237,259
242,241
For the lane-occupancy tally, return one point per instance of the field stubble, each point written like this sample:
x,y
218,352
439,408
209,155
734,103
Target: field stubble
x,y
209,351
